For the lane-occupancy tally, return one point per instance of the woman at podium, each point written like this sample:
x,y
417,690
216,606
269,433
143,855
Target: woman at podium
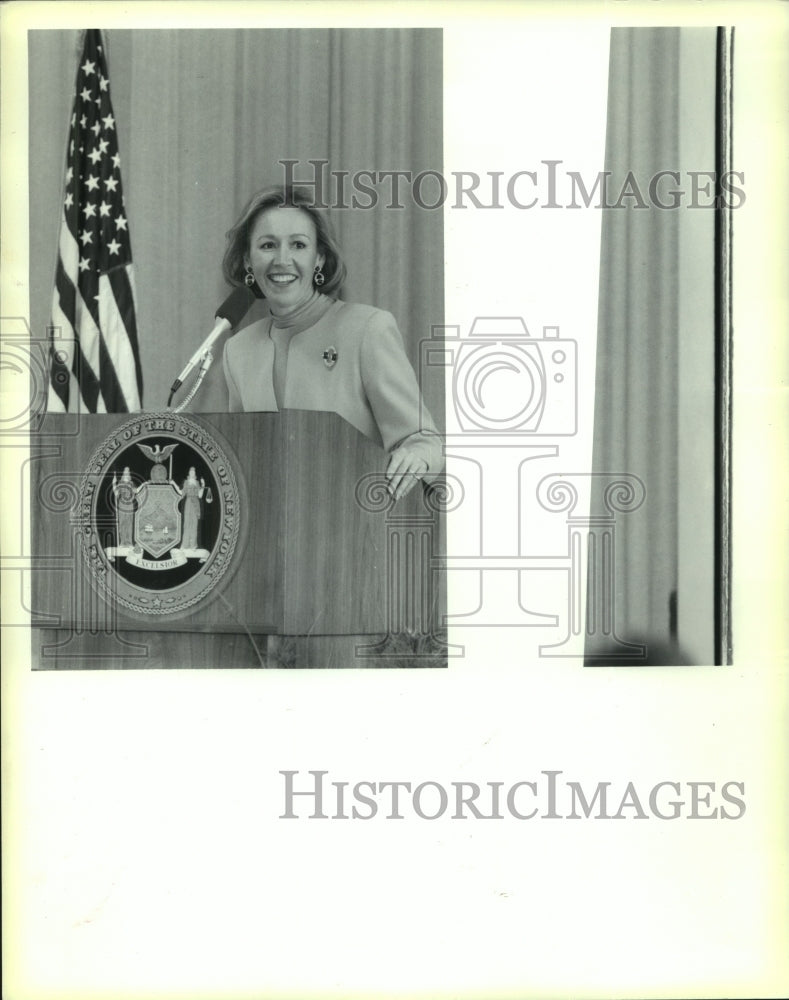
x,y
315,352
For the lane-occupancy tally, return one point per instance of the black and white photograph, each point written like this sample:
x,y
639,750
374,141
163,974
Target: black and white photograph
x,y
393,438
291,543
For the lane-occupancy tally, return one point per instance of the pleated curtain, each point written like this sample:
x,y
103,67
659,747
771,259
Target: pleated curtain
x,y
655,418
203,117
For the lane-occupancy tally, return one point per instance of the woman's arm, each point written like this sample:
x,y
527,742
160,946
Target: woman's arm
x,y
407,429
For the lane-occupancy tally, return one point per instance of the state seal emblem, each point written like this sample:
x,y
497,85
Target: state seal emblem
x,y
159,514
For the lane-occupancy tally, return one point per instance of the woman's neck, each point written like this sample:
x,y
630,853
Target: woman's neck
x,y
304,315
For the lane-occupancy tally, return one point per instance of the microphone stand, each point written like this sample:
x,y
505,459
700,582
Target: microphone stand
x,y
206,361
229,315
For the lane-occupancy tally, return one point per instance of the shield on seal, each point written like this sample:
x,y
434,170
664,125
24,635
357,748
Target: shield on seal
x,y
157,522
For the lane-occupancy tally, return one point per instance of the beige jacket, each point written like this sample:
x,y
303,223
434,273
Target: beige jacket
x,y
371,384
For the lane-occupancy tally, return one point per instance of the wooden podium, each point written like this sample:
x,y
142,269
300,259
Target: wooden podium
x,y
328,571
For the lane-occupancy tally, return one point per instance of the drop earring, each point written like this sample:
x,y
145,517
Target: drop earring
x,y
249,277
318,277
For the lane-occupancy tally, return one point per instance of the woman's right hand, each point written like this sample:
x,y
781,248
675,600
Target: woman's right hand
x,y
404,469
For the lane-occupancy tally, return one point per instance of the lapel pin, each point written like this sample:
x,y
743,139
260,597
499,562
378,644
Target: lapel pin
x,y
330,357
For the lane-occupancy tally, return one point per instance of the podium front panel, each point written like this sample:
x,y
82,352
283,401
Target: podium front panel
x,y
321,552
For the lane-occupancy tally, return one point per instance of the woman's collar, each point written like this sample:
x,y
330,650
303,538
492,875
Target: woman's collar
x,y
303,316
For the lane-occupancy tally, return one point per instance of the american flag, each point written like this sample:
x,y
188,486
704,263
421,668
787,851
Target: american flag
x,y
94,354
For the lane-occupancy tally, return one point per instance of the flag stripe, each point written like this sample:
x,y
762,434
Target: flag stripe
x,y
121,280
70,317
110,386
70,346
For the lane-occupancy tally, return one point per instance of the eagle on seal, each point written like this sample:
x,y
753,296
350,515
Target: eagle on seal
x,y
158,456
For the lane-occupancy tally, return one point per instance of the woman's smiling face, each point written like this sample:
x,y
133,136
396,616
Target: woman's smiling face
x,y
283,253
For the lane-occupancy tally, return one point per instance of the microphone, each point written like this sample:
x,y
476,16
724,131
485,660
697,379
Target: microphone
x,y
228,315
